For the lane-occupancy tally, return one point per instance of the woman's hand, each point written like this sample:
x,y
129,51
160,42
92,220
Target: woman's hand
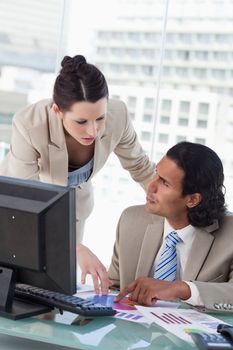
x,y
90,264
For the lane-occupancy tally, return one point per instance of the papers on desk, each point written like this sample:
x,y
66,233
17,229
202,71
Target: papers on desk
x,y
126,310
180,322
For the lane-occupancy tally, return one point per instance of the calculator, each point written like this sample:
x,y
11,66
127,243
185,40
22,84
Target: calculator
x,y
210,341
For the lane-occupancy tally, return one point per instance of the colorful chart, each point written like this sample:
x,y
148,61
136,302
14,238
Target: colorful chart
x,y
128,316
170,318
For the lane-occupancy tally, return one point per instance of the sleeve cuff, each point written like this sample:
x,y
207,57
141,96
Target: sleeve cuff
x,y
195,298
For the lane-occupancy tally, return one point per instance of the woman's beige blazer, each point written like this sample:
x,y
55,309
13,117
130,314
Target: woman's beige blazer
x,y
38,149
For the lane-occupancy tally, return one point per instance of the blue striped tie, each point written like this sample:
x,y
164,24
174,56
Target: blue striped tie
x,y
166,268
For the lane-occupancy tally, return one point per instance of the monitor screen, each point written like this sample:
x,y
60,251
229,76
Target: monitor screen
x,y
37,233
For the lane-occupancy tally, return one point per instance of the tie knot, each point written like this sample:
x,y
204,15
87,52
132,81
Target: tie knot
x,y
172,239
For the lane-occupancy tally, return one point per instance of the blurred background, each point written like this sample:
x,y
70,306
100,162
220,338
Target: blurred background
x,y
170,61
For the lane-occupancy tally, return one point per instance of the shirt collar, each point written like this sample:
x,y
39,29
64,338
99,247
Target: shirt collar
x,y
186,233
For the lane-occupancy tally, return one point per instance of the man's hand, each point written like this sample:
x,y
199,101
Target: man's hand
x,y
146,290
90,264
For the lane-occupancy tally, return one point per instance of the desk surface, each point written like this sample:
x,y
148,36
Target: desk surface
x,y
105,333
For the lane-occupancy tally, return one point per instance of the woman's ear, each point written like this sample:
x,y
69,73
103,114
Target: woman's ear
x,y
193,200
57,111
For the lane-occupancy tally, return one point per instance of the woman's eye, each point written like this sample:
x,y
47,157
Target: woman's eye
x,y
81,122
99,119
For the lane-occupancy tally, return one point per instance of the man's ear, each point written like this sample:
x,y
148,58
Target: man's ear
x,y
57,111
193,200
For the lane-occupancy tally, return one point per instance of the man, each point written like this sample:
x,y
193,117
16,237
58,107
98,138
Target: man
x,y
180,244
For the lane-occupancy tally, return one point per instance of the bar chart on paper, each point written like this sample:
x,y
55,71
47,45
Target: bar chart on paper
x,y
171,318
181,322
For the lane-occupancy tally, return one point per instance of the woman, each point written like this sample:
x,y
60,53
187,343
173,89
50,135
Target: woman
x,y
68,139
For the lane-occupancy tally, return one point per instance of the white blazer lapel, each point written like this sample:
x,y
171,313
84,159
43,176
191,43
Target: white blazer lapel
x,y
103,147
58,156
58,165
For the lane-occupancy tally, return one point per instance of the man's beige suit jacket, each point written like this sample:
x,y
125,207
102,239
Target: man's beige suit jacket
x,y
209,265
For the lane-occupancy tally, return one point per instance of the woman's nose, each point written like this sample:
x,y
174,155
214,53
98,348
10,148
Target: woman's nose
x,y
92,129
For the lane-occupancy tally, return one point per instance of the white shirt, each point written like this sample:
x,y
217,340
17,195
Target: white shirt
x,y
182,248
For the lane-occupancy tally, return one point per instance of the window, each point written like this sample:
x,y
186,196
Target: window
x,y
183,55
169,54
171,37
201,55
205,38
200,140
152,37
221,56
185,38
182,72
164,119
163,138
203,108
149,103
223,39
184,107
132,115
128,68
116,68
117,51
145,136
166,105
183,121
219,73
6,118
149,53
202,124
135,37
132,101
133,53
147,70
200,73
147,118
115,97
4,38
166,71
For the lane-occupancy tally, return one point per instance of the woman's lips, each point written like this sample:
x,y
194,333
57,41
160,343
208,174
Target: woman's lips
x,y
88,139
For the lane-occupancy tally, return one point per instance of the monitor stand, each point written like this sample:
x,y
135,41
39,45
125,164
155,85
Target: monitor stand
x,y
14,308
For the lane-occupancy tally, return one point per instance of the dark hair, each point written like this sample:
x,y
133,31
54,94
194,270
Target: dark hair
x,y
78,81
203,174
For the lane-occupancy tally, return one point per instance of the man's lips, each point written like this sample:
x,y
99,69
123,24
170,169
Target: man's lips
x,y
150,199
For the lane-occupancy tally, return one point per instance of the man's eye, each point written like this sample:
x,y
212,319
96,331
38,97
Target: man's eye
x,y
164,182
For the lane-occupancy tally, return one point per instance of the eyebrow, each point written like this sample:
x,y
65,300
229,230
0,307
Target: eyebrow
x,y
83,119
161,177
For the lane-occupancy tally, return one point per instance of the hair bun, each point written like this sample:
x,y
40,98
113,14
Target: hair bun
x,y
72,64
66,60
79,59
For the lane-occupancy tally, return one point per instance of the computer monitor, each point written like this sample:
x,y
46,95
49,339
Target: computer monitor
x,y
37,240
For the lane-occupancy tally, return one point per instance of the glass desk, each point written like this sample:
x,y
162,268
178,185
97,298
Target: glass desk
x,y
103,333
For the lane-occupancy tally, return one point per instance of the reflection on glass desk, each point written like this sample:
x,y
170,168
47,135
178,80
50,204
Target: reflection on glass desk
x,y
105,333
